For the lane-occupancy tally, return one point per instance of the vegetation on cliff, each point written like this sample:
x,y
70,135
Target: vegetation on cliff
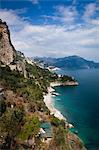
x,y
22,109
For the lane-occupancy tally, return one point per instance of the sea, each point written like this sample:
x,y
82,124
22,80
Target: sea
x,y
80,105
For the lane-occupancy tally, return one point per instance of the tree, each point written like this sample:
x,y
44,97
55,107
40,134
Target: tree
x,y
2,106
30,128
10,124
60,138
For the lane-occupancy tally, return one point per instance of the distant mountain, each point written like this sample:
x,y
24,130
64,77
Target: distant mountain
x,y
70,62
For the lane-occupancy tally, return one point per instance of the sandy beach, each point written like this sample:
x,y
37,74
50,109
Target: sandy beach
x,y
48,99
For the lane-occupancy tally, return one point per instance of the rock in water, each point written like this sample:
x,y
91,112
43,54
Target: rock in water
x,y
7,51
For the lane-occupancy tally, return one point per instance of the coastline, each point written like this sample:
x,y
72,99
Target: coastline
x,y
48,100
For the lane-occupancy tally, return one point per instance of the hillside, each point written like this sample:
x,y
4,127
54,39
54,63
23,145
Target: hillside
x,y
71,62
22,109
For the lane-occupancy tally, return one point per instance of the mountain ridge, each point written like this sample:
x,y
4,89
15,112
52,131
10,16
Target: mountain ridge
x,y
70,62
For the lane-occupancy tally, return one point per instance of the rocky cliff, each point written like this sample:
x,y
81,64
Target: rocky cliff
x,y
7,51
22,106
8,55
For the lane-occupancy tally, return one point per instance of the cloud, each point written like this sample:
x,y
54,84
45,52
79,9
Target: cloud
x,y
51,40
74,2
63,14
90,11
95,22
70,15
34,1
12,18
67,14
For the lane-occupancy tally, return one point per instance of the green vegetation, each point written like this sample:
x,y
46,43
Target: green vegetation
x,y
60,138
31,89
60,132
2,106
14,121
19,121
43,77
10,122
10,79
30,128
56,122
65,78
22,109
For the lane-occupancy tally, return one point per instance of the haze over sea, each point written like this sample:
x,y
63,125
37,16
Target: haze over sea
x,y
80,104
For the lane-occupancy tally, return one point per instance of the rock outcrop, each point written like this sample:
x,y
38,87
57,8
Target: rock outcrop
x,y
7,51
8,55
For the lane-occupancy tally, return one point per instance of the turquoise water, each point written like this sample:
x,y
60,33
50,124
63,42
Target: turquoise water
x,y
80,105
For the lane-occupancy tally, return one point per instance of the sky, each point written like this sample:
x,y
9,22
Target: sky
x,y
53,28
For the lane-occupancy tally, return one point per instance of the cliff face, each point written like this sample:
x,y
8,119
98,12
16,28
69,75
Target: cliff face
x,y
8,54
22,101
7,51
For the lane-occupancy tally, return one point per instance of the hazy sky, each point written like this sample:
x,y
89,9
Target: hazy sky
x,y
55,28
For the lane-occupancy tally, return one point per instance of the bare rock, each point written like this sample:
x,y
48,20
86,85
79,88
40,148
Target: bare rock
x,y
7,51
